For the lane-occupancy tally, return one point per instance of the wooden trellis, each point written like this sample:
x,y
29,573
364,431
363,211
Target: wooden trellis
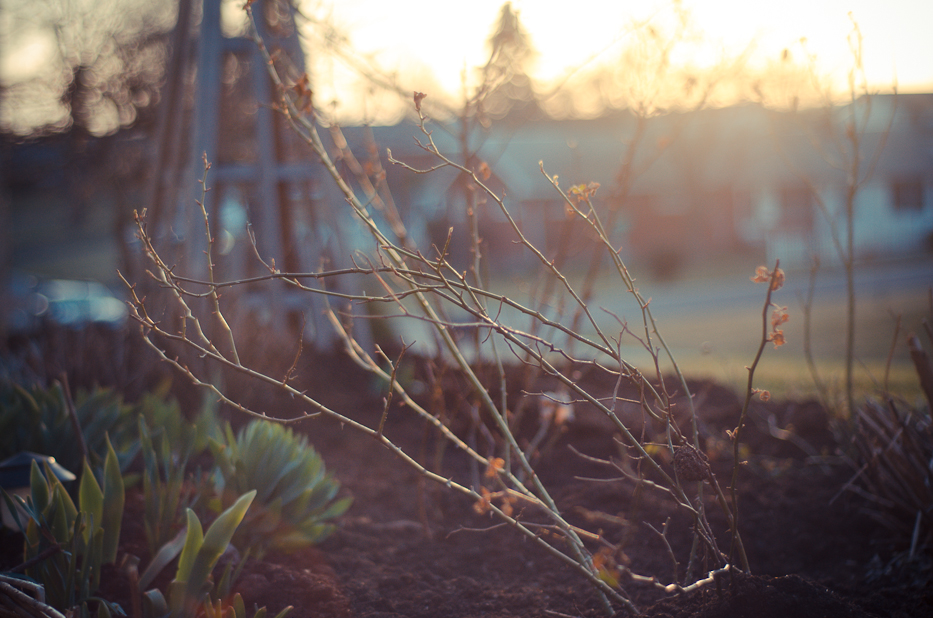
x,y
199,115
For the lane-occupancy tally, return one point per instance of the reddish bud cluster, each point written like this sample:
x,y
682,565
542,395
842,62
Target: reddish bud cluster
x,y
608,562
763,275
484,172
484,504
582,192
762,394
303,94
779,316
495,465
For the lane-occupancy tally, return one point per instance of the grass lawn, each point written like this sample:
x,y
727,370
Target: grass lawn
x,y
717,336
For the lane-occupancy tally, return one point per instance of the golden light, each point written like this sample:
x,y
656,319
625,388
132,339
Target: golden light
x,y
442,42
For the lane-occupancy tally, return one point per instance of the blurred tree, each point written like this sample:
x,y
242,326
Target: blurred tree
x,y
85,66
506,86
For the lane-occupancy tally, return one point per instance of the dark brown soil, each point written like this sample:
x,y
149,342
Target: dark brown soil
x,y
410,548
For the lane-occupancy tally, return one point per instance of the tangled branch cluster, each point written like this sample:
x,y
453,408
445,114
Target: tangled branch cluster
x,y
425,287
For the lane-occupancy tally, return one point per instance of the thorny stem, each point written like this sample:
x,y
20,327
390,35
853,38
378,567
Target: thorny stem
x,y
137,313
430,284
500,416
682,500
606,348
215,298
307,130
736,433
542,362
391,389
650,326
667,545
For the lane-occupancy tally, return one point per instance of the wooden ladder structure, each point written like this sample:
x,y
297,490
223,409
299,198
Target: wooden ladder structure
x,y
192,122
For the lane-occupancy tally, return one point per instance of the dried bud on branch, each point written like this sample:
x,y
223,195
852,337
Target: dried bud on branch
x,y
484,172
495,465
303,94
762,394
763,275
779,316
482,506
582,192
690,463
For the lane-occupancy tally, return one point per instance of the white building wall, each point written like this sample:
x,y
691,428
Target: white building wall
x,y
880,230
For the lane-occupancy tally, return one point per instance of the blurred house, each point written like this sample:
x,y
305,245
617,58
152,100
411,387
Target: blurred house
x,y
676,188
696,185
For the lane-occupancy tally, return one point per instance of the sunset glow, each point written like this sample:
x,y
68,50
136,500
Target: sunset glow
x,y
434,43
436,47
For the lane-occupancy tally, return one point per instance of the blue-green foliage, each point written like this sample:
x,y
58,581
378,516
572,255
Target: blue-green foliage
x,y
295,495
197,555
293,504
166,422
167,443
87,534
37,420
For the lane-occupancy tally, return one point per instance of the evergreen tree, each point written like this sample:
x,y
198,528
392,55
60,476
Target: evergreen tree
x,y
507,87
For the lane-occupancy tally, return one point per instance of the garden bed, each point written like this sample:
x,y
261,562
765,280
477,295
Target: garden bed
x,y
408,548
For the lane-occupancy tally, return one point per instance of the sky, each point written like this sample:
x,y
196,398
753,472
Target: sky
x,y
429,44
446,36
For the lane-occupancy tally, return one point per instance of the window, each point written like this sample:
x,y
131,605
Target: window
x,y
907,195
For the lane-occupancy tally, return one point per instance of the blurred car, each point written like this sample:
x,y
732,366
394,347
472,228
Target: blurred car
x,y
67,302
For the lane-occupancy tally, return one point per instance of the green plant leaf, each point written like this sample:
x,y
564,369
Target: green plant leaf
x,y
221,589
77,549
182,604
321,494
16,507
114,499
239,609
103,610
338,508
71,512
145,443
90,500
60,519
222,457
194,538
153,604
212,608
39,488
90,565
163,557
286,611
217,539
